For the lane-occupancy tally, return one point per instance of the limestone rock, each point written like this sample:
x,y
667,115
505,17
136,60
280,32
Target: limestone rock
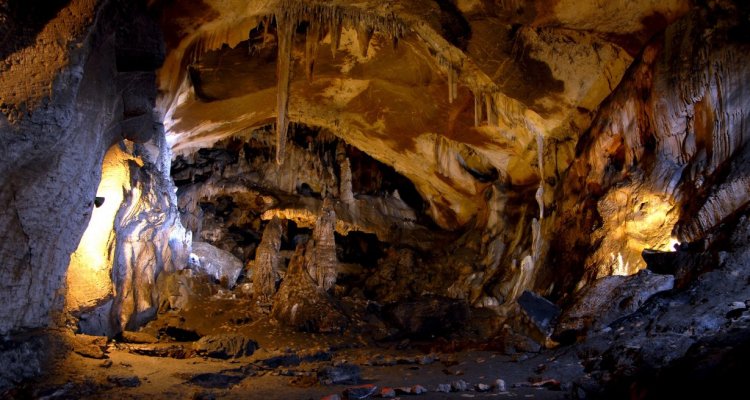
x,y
150,241
300,303
428,316
610,298
344,373
541,312
323,266
225,346
60,105
220,265
266,264
138,337
626,174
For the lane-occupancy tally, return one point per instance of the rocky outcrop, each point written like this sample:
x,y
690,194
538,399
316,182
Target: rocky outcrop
x,y
112,276
608,299
149,241
62,107
662,158
699,331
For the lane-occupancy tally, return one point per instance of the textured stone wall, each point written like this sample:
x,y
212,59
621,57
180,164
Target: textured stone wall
x,y
61,106
666,156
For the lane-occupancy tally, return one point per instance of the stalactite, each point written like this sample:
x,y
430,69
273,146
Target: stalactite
x,y
477,109
491,116
285,28
451,95
311,48
364,35
540,160
336,27
454,82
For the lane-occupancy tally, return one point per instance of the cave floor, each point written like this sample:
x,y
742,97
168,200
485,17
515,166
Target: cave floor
x,y
165,377
287,363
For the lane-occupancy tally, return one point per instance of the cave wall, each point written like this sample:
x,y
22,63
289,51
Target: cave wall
x,y
112,280
65,100
665,159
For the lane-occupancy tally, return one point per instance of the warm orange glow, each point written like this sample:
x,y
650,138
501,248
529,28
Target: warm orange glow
x,y
88,279
634,220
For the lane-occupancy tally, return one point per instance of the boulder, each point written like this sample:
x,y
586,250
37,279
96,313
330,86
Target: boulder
x,y
609,299
428,316
685,264
225,346
541,312
138,337
343,373
220,265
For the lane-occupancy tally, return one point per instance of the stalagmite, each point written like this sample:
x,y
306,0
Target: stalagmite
x,y
267,261
285,28
364,35
301,304
323,264
311,48
345,186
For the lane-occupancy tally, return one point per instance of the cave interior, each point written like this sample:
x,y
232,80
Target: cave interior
x,y
331,199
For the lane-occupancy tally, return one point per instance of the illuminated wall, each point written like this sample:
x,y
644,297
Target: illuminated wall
x,y
89,281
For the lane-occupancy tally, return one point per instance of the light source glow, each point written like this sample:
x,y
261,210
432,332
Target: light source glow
x,y
88,279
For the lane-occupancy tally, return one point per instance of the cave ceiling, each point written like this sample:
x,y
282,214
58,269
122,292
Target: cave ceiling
x,y
433,88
